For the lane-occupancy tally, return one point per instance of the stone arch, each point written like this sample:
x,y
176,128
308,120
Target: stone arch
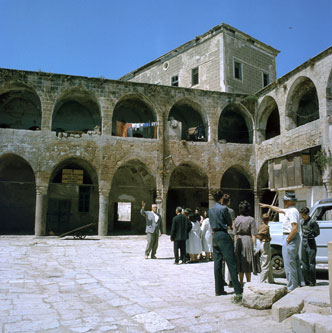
x,y
20,107
76,110
132,182
302,104
73,199
193,120
134,116
17,195
235,124
268,122
239,185
329,95
188,187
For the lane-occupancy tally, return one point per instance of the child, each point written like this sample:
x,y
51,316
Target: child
x,y
263,235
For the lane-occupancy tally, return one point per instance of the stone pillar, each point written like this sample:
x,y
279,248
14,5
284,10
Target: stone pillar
x,y
330,271
103,212
328,187
161,203
41,210
211,199
257,210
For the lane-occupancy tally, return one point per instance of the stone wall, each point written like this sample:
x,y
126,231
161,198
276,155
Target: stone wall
x,y
149,165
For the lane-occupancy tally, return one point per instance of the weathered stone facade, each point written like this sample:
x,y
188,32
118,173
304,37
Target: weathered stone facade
x,y
51,122
214,54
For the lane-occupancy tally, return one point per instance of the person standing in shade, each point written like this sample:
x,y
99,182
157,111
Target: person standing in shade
x,y
152,229
310,230
263,235
179,233
227,202
223,247
290,219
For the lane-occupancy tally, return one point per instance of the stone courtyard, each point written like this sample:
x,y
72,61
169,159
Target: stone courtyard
x,y
105,285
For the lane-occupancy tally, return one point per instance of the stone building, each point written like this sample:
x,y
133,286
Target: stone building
x,y
76,150
222,59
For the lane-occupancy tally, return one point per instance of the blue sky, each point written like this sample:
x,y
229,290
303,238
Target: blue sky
x,y
109,38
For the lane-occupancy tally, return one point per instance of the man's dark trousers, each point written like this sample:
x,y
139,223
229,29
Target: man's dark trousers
x,y
223,247
180,244
309,250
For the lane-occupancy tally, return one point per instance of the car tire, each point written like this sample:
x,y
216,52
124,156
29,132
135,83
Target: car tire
x,y
277,263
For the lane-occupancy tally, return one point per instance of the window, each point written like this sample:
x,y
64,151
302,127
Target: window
x,y
84,199
266,79
194,76
237,70
175,81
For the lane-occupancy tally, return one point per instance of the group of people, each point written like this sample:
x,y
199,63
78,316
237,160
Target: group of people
x,y
238,242
291,225
191,234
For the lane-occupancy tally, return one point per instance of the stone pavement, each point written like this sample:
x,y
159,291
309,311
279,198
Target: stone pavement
x,y
105,285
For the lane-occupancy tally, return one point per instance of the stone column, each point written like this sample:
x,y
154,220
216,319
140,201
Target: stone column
x,y
161,202
257,210
211,199
330,270
328,187
103,212
41,210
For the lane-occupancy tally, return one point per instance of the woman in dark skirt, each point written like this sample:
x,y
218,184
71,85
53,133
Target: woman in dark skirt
x,y
244,234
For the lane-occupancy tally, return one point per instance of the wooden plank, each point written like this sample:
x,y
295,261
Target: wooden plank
x,y
298,170
307,174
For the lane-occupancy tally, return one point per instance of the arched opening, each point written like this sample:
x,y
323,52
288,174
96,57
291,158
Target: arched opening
x,y
302,104
76,111
236,184
133,117
132,183
20,108
234,125
73,199
17,196
191,127
188,187
268,125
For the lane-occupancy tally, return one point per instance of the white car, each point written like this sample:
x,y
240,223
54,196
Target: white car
x,y
322,213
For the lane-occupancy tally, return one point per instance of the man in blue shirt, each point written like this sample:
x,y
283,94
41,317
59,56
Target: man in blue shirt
x,y
223,246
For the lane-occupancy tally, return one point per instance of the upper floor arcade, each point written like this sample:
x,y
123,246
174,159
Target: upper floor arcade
x,y
71,107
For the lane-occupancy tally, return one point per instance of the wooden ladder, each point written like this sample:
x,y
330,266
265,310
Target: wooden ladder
x,y
272,213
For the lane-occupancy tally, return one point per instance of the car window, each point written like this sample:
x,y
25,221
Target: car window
x,y
323,213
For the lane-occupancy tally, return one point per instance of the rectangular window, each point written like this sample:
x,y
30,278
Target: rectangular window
x,y
84,199
194,76
175,81
238,70
266,79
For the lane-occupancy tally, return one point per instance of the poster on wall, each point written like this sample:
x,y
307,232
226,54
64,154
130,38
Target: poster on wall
x,y
124,211
72,176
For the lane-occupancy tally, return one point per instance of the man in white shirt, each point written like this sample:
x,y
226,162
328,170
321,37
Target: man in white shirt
x,y
290,219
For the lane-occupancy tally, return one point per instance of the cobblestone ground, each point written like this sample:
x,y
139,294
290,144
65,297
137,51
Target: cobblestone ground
x,y
92,285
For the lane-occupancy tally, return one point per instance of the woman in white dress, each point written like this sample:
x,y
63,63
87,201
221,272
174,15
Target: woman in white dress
x,y
207,237
194,244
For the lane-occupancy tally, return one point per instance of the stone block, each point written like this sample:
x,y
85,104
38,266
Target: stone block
x,y
311,323
287,306
262,295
